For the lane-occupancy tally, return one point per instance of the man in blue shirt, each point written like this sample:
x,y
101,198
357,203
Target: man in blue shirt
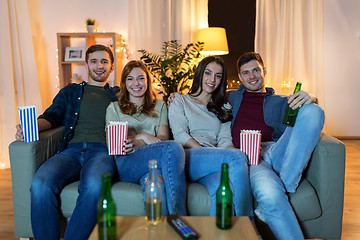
x,y
285,150
81,155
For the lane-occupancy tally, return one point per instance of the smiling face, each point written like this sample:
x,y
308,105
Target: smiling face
x,y
136,85
211,77
99,67
252,76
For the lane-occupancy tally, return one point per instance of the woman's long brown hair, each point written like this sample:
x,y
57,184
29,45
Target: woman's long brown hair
x,y
218,96
126,106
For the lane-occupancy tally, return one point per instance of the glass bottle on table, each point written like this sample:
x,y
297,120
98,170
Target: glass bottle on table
x,y
224,200
291,114
106,211
153,196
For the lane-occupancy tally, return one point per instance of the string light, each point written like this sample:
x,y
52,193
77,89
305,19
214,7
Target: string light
x,y
2,164
57,85
287,86
123,47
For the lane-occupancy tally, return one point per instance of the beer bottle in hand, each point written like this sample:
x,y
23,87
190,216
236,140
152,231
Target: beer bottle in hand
x,y
106,211
153,196
224,201
290,114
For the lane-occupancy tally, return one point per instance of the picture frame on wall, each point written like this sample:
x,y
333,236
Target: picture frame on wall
x,y
74,54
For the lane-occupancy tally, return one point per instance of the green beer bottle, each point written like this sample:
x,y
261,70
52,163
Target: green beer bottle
x,y
106,211
290,114
153,196
224,201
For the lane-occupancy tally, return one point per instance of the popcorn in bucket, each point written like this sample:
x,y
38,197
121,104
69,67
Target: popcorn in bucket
x,y
250,141
29,123
116,136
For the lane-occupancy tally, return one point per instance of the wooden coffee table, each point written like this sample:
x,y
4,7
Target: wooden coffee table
x,y
135,228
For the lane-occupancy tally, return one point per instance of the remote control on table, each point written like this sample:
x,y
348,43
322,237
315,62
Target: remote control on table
x,y
181,228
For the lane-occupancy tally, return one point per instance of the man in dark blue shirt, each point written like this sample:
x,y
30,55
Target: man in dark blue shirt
x,y
285,151
81,155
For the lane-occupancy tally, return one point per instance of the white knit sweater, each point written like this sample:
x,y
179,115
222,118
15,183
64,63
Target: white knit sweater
x,y
191,120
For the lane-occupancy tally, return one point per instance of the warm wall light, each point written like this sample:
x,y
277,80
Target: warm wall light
x,y
215,41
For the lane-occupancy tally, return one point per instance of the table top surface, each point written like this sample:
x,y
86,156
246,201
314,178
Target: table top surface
x,y
129,228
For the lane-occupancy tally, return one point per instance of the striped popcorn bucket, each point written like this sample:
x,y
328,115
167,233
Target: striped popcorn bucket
x,y
29,123
116,136
250,141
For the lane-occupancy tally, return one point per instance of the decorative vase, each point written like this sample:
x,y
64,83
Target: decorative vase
x,y
90,28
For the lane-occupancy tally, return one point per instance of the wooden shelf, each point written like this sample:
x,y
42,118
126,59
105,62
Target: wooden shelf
x,y
85,40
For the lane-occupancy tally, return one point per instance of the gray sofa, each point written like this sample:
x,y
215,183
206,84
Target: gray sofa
x,y
318,202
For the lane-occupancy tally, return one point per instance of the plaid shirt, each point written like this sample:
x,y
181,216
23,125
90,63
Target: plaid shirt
x,y
64,111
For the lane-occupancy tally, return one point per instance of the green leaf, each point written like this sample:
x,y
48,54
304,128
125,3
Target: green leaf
x,y
175,66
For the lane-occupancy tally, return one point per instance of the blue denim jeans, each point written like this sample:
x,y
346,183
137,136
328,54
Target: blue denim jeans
x,y
79,161
203,165
134,168
280,171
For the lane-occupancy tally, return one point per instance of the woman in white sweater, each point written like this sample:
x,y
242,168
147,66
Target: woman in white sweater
x,y
147,131
200,121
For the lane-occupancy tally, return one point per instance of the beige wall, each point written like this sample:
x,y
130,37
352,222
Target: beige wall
x,y
49,17
341,67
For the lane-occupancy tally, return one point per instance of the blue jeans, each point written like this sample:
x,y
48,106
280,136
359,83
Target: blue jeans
x,y
79,161
134,168
280,171
203,165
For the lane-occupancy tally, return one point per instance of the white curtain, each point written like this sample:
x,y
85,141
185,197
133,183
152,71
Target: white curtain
x,y
153,22
289,37
19,85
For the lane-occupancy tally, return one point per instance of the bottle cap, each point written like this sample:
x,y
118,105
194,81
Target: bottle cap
x,y
153,164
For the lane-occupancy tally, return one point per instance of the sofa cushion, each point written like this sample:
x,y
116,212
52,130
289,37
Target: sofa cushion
x,y
305,201
129,200
127,196
68,199
198,200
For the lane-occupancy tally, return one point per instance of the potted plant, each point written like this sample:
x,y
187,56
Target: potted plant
x,y
90,25
175,67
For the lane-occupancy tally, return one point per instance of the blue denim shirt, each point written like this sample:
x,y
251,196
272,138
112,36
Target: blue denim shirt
x,y
64,110
274,109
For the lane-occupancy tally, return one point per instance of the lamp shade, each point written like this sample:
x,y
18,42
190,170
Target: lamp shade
x,y
215,41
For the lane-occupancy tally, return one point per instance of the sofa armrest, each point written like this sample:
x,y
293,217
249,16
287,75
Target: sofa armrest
x,y
326,173
25,159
